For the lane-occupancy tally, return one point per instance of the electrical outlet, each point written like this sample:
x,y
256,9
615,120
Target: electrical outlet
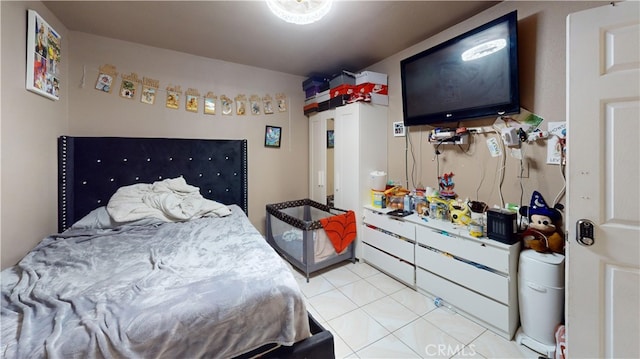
x,y
523,169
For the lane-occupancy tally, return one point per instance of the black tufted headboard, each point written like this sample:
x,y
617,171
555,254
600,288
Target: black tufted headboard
x,y
91,169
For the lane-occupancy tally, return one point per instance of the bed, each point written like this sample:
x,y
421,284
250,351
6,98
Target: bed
x,y
299,230
209,286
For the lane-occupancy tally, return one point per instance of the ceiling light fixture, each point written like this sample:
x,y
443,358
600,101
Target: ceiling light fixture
x,y
299,12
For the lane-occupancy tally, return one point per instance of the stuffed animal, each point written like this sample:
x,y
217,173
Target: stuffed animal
x,y
543,234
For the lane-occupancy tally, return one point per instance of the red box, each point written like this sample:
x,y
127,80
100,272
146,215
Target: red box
x,y
344,89
369,87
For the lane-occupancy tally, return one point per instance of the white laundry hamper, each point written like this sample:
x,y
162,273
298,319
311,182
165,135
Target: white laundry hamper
x,y
541,299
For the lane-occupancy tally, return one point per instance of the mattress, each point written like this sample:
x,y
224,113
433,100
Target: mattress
x,y
208,287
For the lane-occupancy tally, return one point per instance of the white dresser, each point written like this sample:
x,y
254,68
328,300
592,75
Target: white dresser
x,y
476,276
389,244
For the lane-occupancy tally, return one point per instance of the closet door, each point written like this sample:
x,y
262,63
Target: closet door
x,y
347,139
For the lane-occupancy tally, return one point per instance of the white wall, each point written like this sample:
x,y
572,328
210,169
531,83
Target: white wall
x,y
275,175
30,125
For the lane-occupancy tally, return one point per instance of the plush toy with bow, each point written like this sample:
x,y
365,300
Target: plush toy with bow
x,y
543,233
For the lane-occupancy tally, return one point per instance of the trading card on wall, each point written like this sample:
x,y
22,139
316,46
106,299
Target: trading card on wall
x,y
173,97
191,103
241,105
227,105
104,83
129,85
149,90
210,103
106,76
255,104
282,102
148,95
267,104
127,89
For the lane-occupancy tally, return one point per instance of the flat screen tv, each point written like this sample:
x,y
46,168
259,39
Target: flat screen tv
x,y
473,75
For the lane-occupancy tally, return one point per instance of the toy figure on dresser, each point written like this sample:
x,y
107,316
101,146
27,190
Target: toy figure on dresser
x,y
544,233
460,212
446,186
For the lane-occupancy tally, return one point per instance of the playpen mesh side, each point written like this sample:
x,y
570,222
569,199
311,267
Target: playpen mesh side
x,y
293,212
293,222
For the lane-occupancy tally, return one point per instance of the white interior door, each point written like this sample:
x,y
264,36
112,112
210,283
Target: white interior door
x,y
347,140
603,122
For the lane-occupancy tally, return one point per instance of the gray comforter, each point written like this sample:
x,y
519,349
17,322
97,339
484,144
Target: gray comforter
x,y
205,288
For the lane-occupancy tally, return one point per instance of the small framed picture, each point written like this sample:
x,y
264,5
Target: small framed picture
x,y
149,90
148,94
210,105
267,104
128,89
330,139
398,129
255,103
105,82
272,136
191,104
173,99
227,105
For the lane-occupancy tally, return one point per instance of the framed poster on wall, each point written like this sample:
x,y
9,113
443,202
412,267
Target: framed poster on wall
x,y
43,57
272,136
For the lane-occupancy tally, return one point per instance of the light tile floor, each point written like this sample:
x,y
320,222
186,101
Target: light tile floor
x,y
371,315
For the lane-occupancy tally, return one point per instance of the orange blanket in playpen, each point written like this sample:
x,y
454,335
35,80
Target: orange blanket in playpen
x,y
341,229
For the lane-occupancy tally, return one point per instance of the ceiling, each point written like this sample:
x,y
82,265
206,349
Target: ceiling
x,y
353,36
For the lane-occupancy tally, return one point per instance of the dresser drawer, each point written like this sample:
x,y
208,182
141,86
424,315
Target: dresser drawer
x,y
389,264
493,285
398,247
472,250
396,226
478,306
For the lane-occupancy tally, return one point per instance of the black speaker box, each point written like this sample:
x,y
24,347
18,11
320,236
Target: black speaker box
x,y
502,226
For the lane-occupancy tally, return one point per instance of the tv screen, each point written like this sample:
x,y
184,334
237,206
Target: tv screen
x,y
473,75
